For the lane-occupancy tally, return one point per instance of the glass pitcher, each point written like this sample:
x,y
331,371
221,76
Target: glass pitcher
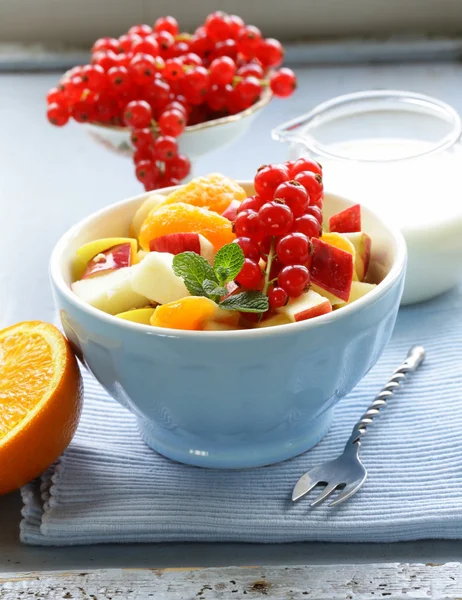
x,y
400,153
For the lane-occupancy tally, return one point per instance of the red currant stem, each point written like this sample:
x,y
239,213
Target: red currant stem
x,y
181,37
269,262
238,78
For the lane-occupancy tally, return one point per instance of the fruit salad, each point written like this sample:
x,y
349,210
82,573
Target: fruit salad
x,y
209,257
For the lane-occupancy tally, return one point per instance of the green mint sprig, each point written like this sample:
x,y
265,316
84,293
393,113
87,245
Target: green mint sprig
x,y
201,279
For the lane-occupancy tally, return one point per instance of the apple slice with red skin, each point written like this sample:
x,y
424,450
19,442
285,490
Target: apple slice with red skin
x,y
117,257
230,213
362,243
346,221
307,306
331,269
176,243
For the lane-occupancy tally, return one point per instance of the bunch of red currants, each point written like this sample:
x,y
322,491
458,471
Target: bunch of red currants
x,y
157,81
276,225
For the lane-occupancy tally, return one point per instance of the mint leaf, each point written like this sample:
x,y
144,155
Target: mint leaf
x,y
228,262
211,288
194,270
252,301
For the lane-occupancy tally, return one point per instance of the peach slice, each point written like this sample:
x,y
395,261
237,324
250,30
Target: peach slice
x,y
191,313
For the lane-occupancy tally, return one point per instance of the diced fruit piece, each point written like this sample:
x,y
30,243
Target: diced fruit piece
x,y
306,306
332,269
217,326
88,251
111,293
142,254
190,313
117,257
339,240
143,211
41,397
154,279
346,221
175,243
362,243
229,317
333,299
230,212
185,218
214,191
139,315
360,289
280,319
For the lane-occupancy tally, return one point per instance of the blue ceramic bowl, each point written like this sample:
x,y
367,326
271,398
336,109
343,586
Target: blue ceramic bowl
x,y
240,398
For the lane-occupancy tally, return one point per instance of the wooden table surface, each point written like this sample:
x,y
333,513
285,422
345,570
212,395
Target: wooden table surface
x,y
56,177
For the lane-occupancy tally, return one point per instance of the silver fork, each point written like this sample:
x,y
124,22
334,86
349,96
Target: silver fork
x,y
347,471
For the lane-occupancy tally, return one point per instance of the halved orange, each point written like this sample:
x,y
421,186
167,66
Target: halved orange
x,y
40,400
214,191
186,218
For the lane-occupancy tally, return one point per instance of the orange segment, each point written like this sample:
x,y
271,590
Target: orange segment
x,y
185,218
214,192
191,313
40,400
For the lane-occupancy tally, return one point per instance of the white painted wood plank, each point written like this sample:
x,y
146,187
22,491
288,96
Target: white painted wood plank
x,y
397,581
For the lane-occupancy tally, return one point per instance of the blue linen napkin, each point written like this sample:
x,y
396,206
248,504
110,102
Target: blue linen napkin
x,y
110,487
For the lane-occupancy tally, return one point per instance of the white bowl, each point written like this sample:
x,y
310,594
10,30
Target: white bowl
x,y
196,140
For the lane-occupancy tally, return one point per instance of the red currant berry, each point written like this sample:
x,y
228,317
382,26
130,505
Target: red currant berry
x,y
172,122
308,225
178,49
127,41
249,248
294,279
250,275
312,182
305,164
192,59
248,90
247,224
217,26
268,178
94,77
175,105
316,212
178,167
142,138
270,53
277,297
82,112
169,24
141,30
294,195
157,94
143,69
165,40
251,203
57,114
201,44
142,154
293,249
226,48
165,147
218,97
105,59
173,70
106,43
276,218
222,70
195,85
248,40
251,70
55,96
283,82
118,79
143,169
73,90
138,114
147,45
235,25
169,181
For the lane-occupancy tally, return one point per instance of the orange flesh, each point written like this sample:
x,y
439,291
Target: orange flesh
x,y
188,313
26,370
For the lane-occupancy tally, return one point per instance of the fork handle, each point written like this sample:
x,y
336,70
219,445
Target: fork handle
x,y
414,359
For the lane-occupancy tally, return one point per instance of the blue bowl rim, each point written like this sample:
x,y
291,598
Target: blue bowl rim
x,y
372,297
